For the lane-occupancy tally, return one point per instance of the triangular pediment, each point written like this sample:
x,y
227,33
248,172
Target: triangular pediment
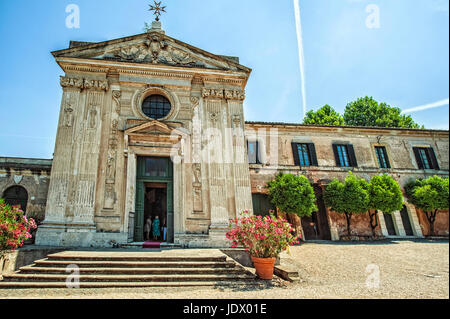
x,y
155,128
151,48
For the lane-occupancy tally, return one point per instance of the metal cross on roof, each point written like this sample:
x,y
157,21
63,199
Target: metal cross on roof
x,y
158,9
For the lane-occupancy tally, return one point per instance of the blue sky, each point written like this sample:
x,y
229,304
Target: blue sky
x,y
404,62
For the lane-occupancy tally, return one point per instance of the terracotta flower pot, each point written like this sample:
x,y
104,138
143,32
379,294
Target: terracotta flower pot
x,y
264,267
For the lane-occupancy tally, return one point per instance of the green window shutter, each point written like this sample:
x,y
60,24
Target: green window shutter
x,y
433,158
295,153
351,156
418,158
312,154
336,155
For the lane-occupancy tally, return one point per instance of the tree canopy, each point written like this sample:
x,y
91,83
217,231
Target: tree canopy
x,y
368,112
292,194
324,116
429,194
385,194
350,197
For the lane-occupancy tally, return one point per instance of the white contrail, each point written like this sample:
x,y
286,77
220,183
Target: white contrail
x,y
298,25
426,106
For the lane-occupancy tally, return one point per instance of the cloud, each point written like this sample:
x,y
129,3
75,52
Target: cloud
x,y
426,106
298,26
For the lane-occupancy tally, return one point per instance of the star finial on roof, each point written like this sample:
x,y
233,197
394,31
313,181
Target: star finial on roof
x,y
157,9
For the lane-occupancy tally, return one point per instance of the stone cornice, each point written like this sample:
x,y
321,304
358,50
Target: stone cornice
x,y
233,78
297,128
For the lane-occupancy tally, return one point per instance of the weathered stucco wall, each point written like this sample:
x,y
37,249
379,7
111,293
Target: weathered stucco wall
x,y
31,174
440,225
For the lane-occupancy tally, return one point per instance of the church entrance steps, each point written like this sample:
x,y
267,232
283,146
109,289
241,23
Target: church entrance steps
x,y
134,264
208,267
131,271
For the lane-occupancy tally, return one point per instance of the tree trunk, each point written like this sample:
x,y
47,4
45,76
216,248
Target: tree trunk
x,y
431,217
373,222
295,222
348,216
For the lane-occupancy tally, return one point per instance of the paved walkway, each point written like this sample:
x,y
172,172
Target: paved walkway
x,y
406,269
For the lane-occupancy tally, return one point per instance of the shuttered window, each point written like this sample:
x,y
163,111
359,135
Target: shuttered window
x,y
426,158
344,155
304,154
383,160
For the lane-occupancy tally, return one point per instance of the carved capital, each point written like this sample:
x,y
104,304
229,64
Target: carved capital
x,y
81,83
213,93
235,95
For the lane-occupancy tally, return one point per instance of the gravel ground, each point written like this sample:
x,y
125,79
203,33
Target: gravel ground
x,y
407,269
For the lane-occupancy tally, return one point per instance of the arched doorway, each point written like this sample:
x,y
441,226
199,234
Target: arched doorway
x,y
16,195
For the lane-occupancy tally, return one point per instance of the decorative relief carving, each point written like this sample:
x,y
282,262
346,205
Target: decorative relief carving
x,y
116,96
237,121
212,93
92,117
155,50
81,83
220,94
68,116
110,197
235,95
197,188
195,101
111,167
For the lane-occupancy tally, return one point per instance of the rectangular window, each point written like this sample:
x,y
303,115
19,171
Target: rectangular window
x,y
426,158
345,155
303,155
253,152
344,160
383,160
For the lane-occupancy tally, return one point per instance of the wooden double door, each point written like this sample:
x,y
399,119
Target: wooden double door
x,y
154,197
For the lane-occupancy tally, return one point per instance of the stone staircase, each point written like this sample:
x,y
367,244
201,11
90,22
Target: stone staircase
x,y
172,268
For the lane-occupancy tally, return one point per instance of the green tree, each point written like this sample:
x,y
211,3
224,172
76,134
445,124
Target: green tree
x,y
324,116
350,197
385,195
368,112
429,195
292,194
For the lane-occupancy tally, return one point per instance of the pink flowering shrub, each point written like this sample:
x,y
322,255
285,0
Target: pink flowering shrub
x,y
14,226
262,237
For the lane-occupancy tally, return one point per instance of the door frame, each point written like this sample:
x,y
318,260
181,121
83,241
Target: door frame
x,y
140,199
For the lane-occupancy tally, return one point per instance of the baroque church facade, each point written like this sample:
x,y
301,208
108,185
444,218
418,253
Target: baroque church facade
x,y
151,126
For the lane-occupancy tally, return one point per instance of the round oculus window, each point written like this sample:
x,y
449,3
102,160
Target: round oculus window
x,y
156,107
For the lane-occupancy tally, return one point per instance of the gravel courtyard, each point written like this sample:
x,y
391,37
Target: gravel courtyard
x,y
407,269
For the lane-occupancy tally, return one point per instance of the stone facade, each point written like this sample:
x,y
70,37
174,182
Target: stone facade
x,y
103,131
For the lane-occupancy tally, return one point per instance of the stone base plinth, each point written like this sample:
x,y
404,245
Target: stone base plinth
x,y
70,236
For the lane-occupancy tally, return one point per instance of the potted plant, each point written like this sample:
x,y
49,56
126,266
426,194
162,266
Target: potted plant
x,y
264,238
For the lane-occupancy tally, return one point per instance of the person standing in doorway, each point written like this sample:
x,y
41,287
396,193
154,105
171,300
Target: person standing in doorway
x,y
148,228
156,228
